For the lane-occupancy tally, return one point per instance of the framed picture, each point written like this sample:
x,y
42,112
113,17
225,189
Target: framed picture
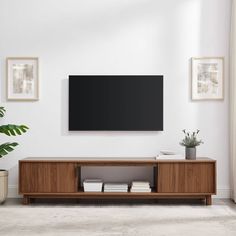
x,y
208,78
22,78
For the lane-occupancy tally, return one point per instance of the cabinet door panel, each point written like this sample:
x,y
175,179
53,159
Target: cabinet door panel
x,y
171,178
186,178
47,177
199,178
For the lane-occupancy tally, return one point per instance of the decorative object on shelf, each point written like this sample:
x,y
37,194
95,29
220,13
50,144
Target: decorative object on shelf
x,y
190,142
167,152
208,78
92,185
5,148
170,157
22,78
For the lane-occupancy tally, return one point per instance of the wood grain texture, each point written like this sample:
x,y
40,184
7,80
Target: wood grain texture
x,y
111,161
208,200
48,177
121,196
82,194
173,178
186,178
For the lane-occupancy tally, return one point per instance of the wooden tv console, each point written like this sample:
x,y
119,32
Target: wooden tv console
x,y
61,178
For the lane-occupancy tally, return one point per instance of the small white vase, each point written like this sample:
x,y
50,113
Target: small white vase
x,y
3,185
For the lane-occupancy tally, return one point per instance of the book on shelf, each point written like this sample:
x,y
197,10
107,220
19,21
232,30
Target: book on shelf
x,y
115,191
115,184
140,186
115,187
140,183
140,190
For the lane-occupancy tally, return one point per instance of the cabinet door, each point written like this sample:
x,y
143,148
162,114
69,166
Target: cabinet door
x,y
47,177
186,177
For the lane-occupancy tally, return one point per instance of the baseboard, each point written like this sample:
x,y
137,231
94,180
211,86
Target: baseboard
x,y
13,191
222,192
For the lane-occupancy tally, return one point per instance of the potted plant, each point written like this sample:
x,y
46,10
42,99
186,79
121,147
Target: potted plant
x,y
5,148
190,142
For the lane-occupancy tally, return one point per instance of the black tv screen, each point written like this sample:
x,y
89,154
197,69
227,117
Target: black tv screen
x,y
115,102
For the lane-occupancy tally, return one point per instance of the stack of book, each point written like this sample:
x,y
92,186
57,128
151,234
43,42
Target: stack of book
x,y
92,185
140,186
116,187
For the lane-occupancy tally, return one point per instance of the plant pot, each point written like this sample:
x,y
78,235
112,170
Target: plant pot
x,y
190,153
3,185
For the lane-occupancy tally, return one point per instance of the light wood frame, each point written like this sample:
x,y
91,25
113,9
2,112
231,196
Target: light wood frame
x,y
36,59
223,78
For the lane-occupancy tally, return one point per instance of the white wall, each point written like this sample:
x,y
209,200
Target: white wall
x,y
115,37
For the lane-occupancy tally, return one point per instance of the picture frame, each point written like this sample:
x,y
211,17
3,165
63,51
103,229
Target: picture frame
x,y
207,78
22,78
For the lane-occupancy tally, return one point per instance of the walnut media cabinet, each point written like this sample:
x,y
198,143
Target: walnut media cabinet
x,y
61,178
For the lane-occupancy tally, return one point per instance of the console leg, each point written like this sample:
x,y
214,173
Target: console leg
x,y
26,200
208,200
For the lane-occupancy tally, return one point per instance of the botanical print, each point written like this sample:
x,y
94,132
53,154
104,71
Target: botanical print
x,y
23,82
207,81
22,78
207,78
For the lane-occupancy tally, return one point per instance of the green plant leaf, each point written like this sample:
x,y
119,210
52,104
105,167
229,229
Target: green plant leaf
x,y
13,130
190,140
5,148
2,111
10,130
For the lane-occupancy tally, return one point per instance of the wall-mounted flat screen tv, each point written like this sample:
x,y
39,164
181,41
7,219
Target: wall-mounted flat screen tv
x,y
116,102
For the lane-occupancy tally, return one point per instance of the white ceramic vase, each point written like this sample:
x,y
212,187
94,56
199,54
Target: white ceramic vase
x,y
3,185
